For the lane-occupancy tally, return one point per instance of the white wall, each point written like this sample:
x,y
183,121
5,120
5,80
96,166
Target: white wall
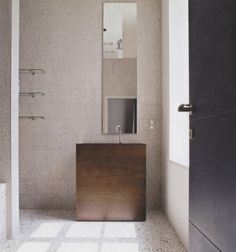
x,y
9,58
113,22
3,212
179,81
120,20
130,31
13,227
175,125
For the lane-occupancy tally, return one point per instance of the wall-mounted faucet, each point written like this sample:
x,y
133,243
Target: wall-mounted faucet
x,y
119,44
118,131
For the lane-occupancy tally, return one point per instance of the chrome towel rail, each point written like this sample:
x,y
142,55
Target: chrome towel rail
x,y
32,94
107,51
32,117
108,43
32,71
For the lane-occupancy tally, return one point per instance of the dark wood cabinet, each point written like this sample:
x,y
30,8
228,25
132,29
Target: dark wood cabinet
x,y
111,182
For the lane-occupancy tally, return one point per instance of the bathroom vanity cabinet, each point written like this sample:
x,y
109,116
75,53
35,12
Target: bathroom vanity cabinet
x,y
111,182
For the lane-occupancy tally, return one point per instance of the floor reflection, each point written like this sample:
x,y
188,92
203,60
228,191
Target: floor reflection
x,y
55,231
47,230
34,247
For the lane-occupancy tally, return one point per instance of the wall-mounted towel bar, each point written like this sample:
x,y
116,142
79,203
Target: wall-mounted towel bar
x,y
109,51
32,117
108,43
32,94
32,71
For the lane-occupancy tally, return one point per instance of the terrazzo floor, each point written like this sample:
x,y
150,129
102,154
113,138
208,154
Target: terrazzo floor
x,y
56,231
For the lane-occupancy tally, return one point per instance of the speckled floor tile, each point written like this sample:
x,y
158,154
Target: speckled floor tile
x,y
57,231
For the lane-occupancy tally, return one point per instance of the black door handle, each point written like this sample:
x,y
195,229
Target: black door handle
x,y
186,108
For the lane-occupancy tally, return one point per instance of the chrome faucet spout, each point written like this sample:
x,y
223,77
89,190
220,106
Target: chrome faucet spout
x,y
118,131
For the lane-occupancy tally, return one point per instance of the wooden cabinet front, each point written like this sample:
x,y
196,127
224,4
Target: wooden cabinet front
x,y
111,182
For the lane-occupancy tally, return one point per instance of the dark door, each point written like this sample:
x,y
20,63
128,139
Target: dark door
x,y
212,28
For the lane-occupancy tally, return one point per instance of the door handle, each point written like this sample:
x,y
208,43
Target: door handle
x,y
186,108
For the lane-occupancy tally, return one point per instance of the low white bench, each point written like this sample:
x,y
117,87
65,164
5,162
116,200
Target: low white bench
x,y
2,211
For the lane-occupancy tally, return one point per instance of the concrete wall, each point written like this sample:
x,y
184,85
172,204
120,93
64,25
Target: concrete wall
x,y
175,124
9,64
119,77
5,88
65,39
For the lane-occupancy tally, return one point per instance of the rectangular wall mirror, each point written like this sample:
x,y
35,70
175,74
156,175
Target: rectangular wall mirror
x,y
119,68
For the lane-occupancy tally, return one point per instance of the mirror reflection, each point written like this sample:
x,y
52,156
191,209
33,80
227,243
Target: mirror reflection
x,y
120,68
